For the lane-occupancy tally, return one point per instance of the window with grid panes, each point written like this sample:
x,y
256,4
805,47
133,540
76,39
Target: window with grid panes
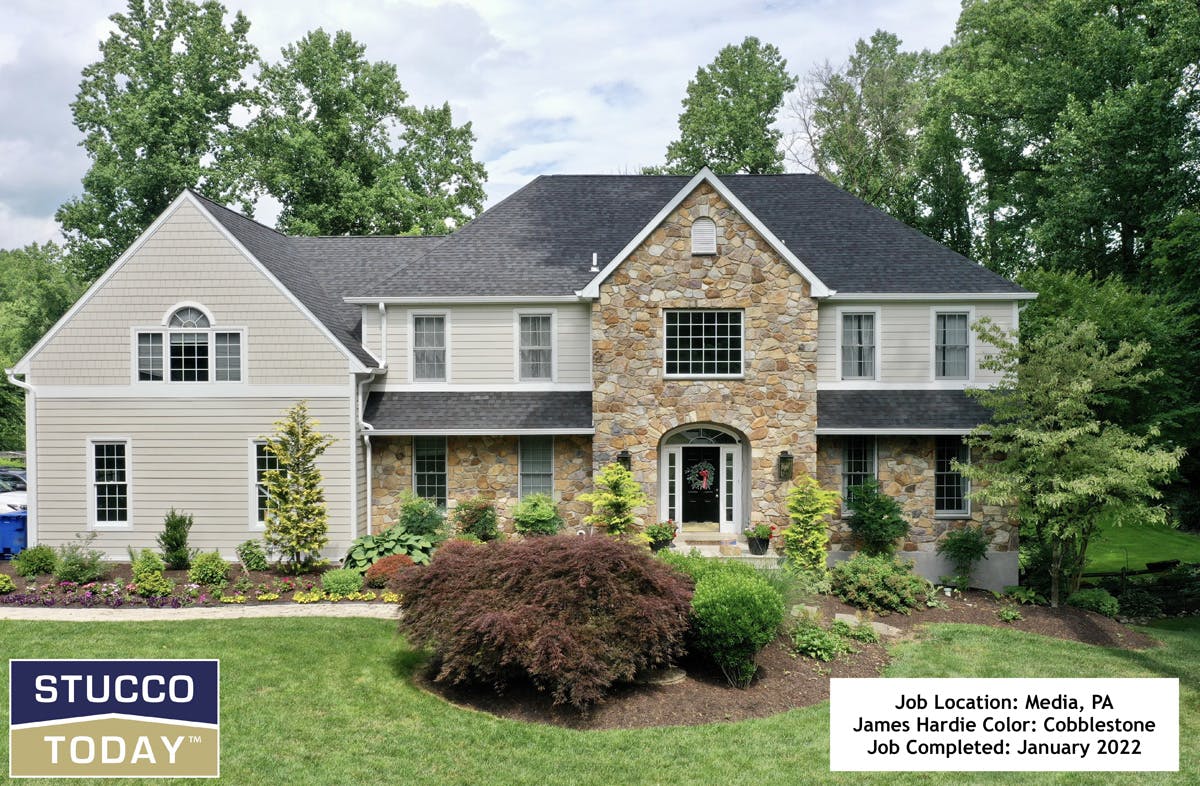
x,y
952,346
536,351
537,465
858,463
950,487
858,346
264,461
704,343
429,469
194,351
429,347
110,482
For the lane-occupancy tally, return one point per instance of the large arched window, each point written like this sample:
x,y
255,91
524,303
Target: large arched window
x,y
189,349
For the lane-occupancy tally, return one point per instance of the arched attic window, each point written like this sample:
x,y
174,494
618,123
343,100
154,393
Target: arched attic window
x,y
704,236
188,349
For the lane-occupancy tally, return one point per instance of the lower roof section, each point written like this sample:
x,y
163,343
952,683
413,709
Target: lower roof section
x,y
475,412
898,412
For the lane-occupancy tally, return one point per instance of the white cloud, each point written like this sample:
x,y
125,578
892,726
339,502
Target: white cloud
x,y
567,87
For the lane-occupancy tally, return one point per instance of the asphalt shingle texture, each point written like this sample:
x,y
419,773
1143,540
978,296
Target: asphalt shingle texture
x,y
499,412
899,409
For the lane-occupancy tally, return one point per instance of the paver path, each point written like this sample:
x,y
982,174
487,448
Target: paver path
x,y
227,612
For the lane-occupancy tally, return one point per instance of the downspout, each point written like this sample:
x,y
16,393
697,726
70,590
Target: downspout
x,y
366,427
30,455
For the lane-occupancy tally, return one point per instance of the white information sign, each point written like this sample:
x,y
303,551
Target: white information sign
x,y
1115,725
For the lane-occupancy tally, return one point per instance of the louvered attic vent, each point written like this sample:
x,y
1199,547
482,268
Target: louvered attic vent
x,y
704,236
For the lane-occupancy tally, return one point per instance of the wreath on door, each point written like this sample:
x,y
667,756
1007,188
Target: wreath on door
x,y
701,476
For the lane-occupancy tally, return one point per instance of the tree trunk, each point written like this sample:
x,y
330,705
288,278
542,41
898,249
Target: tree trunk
x,y
1055,571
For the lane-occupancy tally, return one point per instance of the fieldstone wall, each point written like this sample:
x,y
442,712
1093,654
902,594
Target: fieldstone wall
x,y
773,406
906,473
480,465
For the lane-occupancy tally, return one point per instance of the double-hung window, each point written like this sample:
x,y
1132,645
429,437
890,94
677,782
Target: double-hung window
x,y
264,461
429,469
858,464
109,478
952,345
537,465
950,487
536,346
858,345
704,343
189,350
429,348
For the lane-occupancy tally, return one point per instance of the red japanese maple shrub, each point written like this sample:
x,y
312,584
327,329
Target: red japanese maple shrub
x,y
571,614
384,570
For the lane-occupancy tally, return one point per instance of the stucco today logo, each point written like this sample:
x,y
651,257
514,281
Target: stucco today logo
x,y
114,718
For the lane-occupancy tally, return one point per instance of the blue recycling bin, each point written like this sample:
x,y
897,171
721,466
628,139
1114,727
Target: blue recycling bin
x,y
12,534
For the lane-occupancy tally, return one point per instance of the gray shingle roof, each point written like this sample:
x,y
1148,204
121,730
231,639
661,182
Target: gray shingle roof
x,y
918,410
494,412
541,239
321,271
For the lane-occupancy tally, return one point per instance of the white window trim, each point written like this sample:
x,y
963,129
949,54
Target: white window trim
x,y
166,354
842,311
90,482
950,515
842,473
934,311
255,524
412,344
520,458
445,458
170,312
745,352
539,312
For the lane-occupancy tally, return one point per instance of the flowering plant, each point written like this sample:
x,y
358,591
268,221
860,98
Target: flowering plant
x,y
663,531
762,531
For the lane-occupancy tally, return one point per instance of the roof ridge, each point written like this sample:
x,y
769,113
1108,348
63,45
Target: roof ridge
x,y
233,212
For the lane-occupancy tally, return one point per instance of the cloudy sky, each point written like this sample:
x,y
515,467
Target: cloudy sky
x,y
562,86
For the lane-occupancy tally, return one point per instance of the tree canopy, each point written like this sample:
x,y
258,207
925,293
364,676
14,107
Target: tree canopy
x,y
729,112
155,112
343,153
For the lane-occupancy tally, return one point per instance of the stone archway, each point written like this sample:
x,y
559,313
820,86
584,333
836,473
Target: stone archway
x,y
702,485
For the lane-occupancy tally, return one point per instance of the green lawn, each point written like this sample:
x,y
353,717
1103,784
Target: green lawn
x,y
313,701
1139,545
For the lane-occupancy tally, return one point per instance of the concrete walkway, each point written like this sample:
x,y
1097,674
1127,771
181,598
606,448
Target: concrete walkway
x,y
223,612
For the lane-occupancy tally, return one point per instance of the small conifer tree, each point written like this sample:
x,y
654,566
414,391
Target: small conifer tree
x,y
296,520
616,496
806,540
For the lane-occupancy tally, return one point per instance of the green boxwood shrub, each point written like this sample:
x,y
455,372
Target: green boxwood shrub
x,y
537,515
252,555
209,569
476,517
342,581
573,615
7,585
1097,600
35,561
875,519
420,516
735,615
880,583
148,578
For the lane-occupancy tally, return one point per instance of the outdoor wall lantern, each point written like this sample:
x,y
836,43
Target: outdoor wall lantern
x,y
786,463
624,459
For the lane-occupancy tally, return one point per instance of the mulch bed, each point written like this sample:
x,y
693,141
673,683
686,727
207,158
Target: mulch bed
x,y
784,681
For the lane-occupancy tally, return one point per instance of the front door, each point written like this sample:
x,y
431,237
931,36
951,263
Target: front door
x,y
701,485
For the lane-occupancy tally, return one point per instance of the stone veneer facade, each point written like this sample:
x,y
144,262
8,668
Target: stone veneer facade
x,y
905,467
479,465
773,406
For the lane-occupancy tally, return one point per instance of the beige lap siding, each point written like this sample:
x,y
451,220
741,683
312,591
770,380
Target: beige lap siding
x,y
188,260
193,455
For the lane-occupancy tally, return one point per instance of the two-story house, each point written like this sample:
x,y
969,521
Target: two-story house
x,y
717,335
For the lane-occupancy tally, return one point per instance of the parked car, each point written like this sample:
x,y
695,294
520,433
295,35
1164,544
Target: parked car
x,y
11,498
15,477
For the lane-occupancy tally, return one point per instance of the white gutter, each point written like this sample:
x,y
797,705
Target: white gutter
x,y
30,455
952,296
366,427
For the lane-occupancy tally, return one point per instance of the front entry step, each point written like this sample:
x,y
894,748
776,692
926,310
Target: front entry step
x,y
724,545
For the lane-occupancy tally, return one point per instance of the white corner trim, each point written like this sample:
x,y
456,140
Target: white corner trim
x,y
816,286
